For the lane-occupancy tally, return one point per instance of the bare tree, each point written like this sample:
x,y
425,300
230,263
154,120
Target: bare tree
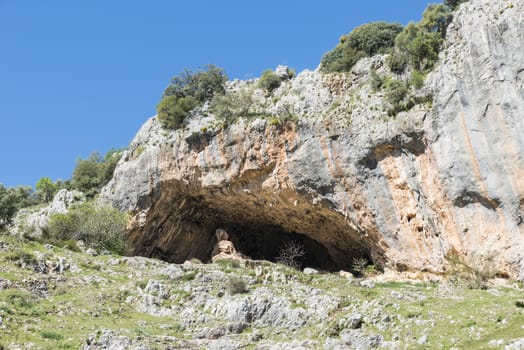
x,y
291,254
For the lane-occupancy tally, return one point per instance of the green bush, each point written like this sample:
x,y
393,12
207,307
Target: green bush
x,y
417,79
188,91
46,189
8,205
233,105
269,81
395,91
51,335
98,227
453,4
172,111
341,59
419,43
364,41
93,173
376,80
236,285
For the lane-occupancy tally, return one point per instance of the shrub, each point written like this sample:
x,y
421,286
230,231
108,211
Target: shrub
x,y
232,105
99,227
364,41
419,43
291,254
376,80
46,189
93,173
236,285
373,38
341,59
359,265
8,205
395,91
51,335
269,81
454,4
417,79
172,111
188,91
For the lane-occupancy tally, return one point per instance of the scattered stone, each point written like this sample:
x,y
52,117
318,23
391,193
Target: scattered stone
x,y
347,275
367,283
91,251
517,344
422,340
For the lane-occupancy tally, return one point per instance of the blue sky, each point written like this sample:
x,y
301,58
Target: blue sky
x,y
84,75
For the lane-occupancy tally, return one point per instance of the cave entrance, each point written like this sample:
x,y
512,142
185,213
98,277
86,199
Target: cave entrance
x,y
181,227
273,243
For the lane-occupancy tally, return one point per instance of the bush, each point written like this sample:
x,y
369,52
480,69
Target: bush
x,y
341,59
269,81
93,173
373,38
51,335
46,189
364,41
291,254
188,91
8,205
419,43
454,4
376,80
233,105
236,285
99,227
417,79
395,91
359,265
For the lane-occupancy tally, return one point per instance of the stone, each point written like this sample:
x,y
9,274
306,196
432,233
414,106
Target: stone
x,y
516,344
347,275
422,340
367,283
282,72
310,271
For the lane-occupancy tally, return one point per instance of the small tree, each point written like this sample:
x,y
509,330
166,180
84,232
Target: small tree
x,y
91,174
187,91
291,254
8,205
364,41
46,189
269,81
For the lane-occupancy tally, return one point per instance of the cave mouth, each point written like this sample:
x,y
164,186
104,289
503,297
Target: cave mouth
x,y
273,243
182,227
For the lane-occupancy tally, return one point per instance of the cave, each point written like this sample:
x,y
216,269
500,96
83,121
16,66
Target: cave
x,y
181,225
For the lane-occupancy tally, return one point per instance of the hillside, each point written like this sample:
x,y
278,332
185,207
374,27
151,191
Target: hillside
x,y
54,298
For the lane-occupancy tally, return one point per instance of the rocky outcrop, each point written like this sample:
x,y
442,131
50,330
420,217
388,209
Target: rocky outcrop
x,y
440,183
32,223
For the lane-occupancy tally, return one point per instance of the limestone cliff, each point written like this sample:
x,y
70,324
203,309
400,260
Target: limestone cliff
x,y
444,180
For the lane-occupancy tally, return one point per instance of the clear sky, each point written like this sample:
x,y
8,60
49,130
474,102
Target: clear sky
x,y
84,75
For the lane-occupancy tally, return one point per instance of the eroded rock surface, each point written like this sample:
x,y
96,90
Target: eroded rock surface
x,y
346,180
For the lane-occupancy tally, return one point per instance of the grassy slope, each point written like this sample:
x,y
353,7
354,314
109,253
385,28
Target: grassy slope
x,y
83,302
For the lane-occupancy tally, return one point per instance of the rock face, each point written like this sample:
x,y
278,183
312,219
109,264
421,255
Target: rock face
x,y
406,192
32,223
